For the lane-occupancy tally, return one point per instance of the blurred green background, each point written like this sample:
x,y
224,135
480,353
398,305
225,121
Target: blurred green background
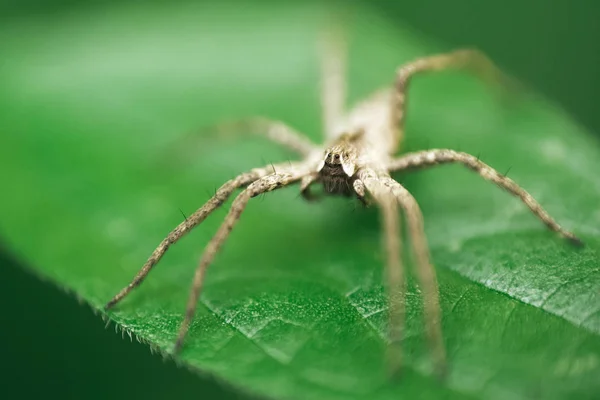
x,y
552,46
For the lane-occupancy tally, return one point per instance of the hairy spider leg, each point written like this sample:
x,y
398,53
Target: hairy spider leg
x,y
276,131
383,195
305,183
425,273
333,49
192,221
433,157
376,184
282,178
470,60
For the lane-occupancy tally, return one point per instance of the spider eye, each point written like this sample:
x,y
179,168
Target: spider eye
x,y
336,156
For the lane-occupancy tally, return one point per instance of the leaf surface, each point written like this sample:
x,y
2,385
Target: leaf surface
x,y
294,305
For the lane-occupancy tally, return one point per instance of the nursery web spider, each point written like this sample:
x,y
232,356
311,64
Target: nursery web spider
x,y
356,160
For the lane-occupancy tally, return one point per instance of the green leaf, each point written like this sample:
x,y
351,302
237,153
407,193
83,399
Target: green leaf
x,y
294,305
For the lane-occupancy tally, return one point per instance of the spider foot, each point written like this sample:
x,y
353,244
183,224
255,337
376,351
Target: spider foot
x,y
394,363
574,240
394,372
365,202
309,196
178,346
110,304
441,370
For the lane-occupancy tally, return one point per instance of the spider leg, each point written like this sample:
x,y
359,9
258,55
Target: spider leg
x,y
275,131
265,184
333,78
443,156
359,189
305,186
396,284
425,272
471,60
191,222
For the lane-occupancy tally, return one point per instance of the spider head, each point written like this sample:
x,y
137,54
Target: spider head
x,y
338,166
337,160
340,158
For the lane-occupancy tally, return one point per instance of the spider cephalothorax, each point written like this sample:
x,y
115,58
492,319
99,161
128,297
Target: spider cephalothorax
x,y
358,161
338,167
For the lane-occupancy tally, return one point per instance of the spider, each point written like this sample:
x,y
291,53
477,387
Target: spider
x,y
356,160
